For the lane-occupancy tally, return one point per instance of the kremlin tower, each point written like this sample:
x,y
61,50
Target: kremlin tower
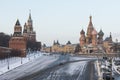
x,y
21,41
17,41
28,30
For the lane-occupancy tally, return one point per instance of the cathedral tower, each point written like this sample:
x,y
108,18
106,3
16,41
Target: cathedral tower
x,y
82,38
89,31
100,37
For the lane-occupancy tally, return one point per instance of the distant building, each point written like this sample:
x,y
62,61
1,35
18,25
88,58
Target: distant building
x,y
26,39
108,44
91,39
59,48
116,47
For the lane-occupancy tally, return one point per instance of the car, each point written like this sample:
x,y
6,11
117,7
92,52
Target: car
x,y
107,76
60,64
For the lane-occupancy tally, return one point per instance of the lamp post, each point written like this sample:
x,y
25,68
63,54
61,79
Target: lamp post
x,y
29,54
21,60
34,54
8,60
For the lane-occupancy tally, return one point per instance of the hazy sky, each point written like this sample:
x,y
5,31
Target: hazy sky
x,y
61,19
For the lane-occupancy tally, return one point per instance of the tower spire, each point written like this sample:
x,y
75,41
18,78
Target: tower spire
x,y
110,35
90,18
29,14
90,22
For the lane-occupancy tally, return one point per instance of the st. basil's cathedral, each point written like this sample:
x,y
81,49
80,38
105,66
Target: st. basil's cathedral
x,y
90,41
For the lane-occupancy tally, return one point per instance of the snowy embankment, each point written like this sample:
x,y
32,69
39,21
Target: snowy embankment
x,y
11,63
32,63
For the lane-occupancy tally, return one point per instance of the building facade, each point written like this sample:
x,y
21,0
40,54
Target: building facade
x,y
58,48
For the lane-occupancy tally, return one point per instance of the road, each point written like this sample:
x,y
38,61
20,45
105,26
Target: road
x,y
80,70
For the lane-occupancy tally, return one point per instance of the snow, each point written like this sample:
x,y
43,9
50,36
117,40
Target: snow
x,y
70,69
76,66
17,61
34,62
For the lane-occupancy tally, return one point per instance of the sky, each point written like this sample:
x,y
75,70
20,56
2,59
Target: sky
x,y
61,19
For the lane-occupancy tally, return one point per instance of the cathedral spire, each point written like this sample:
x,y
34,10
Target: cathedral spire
x,y
90,27
90,22
29,14
90,18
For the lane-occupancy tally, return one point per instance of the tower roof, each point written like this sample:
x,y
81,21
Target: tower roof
x,y
82,32
68,42
29,18
90,23
17,23
101,32
58,42
25,28
90,27
110,35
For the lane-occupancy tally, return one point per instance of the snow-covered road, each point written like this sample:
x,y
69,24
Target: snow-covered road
x,y
41,63
71,71
82,70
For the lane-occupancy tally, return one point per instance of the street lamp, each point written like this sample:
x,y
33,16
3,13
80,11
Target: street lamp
x,y
21,59
8,60
34,54
29,54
